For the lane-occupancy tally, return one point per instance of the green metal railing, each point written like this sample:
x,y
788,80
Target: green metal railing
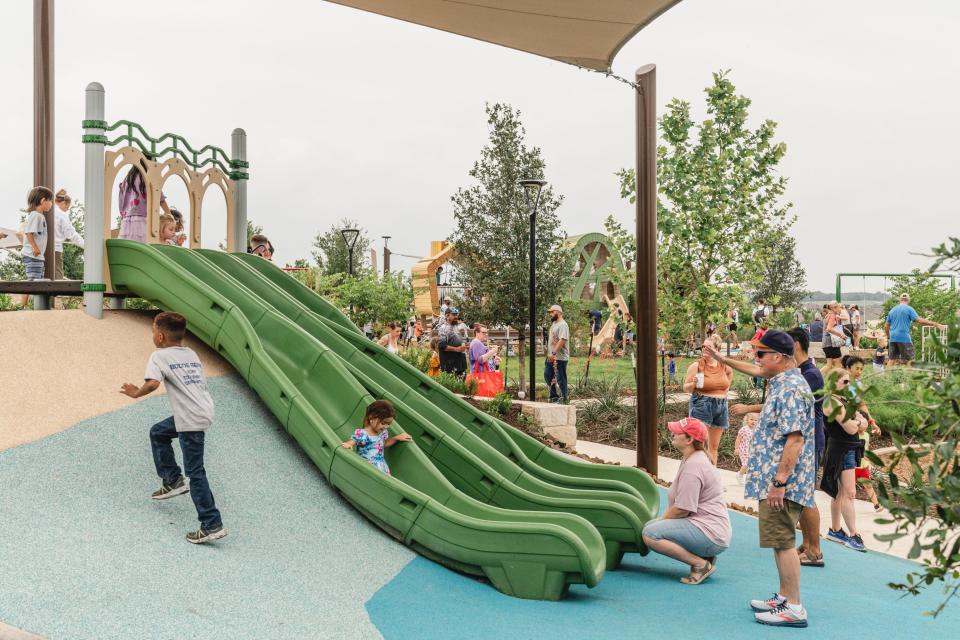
x,y
177,146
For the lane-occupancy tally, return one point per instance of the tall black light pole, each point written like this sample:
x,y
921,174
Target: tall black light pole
x,y
350,239
531,194
386,255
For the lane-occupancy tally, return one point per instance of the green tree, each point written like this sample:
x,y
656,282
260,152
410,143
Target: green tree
x,y
491,233
364,298
719,197
930,296
784,281
330,251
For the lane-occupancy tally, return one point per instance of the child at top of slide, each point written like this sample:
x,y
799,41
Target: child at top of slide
x,y
132,199
372,439
168,230
179,368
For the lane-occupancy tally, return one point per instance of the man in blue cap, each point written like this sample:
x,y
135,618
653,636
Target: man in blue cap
x,y
782,472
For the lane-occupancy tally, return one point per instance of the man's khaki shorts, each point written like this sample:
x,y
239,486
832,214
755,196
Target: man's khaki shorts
x,y
778,529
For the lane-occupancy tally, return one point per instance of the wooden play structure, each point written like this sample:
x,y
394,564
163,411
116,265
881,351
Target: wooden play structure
x,y
618,314
423,277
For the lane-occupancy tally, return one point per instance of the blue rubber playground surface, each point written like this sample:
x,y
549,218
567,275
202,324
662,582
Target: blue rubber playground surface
x,y
84,553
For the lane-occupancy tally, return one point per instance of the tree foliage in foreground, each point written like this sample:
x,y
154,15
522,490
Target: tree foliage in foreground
x,y
926,506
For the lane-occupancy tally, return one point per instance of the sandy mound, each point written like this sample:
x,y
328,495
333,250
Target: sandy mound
x,y
61,367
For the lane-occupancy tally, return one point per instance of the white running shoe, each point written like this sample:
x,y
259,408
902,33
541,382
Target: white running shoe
x,y
782,616
768,604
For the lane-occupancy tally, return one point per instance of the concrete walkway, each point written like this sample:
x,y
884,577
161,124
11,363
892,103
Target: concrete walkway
x,y
866,516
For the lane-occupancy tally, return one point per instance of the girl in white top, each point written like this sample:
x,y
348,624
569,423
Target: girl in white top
x,y
391,337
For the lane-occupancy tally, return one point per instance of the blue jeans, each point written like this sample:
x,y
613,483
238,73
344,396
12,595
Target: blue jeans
x,y
556,370
191,444
684,533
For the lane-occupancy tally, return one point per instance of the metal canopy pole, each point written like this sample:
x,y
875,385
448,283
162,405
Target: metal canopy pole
x,y
646,269
43,124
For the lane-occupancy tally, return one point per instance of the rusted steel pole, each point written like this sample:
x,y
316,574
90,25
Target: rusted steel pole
x,y
646,269
43,114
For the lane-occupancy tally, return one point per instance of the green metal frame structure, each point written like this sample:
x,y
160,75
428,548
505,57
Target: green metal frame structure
x,y
588,247
840,276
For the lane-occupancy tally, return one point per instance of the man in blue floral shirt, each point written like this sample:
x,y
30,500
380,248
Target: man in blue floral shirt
x,y
782,472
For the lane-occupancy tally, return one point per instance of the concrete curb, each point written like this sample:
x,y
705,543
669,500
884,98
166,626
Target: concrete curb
x,y
12,633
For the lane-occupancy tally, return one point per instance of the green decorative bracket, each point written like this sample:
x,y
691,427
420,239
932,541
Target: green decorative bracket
x,y
93,138
135,135
93,287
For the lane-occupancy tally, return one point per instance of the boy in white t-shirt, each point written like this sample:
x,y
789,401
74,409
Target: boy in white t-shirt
x,y
179,368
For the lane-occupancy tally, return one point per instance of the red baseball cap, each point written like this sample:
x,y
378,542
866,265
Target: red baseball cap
x,y
691,427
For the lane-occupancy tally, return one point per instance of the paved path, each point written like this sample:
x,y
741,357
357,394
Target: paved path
x,y
734,494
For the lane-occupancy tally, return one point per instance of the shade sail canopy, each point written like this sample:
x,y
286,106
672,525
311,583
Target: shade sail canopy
x,y
586,33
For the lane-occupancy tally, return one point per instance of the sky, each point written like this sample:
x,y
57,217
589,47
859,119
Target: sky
x,y
349,114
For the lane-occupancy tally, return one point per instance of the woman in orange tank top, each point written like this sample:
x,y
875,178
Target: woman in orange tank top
x,y
708,382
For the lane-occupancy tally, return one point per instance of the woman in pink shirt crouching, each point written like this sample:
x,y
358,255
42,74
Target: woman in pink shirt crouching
x,y
695,528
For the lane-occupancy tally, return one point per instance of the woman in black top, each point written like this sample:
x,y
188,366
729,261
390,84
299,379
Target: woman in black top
x,y
842,457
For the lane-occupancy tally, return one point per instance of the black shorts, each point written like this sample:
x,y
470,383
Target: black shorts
x,y
732,326
902,351
832,352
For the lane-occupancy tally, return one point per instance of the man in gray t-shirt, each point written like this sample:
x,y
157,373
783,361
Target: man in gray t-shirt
x,y
558,354
181,372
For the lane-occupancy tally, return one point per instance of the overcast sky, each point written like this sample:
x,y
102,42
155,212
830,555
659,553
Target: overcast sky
x,y
352,114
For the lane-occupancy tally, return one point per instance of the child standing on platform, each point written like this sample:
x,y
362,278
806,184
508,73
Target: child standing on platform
x,y
373,438
35,232
179,368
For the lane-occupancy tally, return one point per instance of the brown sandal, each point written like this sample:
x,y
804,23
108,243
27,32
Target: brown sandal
x,y
698,575
809,560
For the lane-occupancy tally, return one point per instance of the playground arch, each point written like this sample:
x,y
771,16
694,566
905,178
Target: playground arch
x,y
158,160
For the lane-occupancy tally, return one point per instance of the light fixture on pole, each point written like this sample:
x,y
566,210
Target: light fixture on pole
x,y
350,239
386,255
531,194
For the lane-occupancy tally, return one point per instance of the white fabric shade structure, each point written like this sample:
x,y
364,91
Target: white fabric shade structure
x,y
585,33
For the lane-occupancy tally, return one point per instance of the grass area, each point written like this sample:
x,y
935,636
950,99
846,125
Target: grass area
x,y
606,368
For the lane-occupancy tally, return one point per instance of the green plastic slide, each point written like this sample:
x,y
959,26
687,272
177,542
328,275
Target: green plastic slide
x,y
619,516
532,455
525,542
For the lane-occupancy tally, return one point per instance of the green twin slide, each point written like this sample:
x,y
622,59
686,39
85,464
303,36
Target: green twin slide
x,y
469,492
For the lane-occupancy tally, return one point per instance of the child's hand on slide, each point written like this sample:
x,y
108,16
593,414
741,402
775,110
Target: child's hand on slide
x,y
129,389
348,444
404,437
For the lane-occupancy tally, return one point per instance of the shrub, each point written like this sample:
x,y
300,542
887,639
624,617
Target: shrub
x,y
892,398
499,405
418,357
456,384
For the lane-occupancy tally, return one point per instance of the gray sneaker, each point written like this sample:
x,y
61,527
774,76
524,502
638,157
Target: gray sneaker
x,y
201,535
169,490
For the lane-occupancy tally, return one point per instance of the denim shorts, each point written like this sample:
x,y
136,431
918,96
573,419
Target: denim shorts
x,y
849,460
710,411
684,533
